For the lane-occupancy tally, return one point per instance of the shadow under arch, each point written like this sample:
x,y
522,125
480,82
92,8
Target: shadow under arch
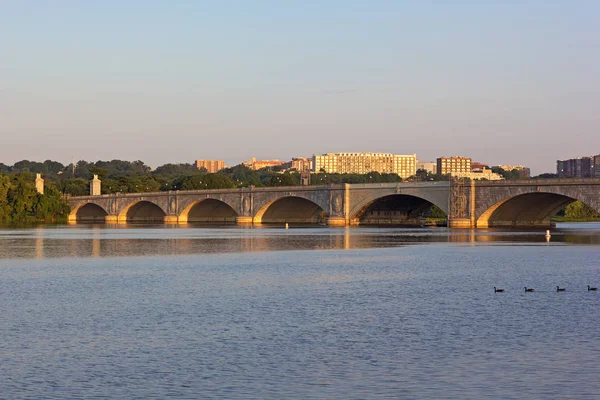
x,y
88,212
208,210
524,210
142,211
397,209
290,209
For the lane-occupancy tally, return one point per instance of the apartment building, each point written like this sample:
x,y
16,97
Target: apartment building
x,y
363,163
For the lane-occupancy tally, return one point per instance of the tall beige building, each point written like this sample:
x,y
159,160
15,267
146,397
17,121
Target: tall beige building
x,y
363,163
449,165
211,166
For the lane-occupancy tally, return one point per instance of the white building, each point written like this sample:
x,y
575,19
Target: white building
x,y
363,163
484,174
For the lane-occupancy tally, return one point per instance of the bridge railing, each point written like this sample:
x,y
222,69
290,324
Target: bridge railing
x,y
541,182
217,191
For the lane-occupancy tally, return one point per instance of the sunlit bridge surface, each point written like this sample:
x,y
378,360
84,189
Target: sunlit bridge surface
x,y
142,311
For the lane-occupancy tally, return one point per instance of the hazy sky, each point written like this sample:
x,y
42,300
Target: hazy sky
x,y
515,82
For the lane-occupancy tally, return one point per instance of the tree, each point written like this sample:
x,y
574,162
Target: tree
x,y
101,172
285,179
546,176
208,181
579,210
242,175
174,170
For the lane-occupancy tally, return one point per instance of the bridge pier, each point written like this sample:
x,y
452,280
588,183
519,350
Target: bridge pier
x,y
461,223
244,220
337,221
171,219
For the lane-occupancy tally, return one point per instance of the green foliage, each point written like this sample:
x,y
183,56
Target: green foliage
x,y
423,175
323,178
20,202
74,187
515,174
579,210
242,175
175,170
203,181
285,179
546,176
436,212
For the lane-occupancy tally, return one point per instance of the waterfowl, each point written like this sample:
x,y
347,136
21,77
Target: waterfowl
x,y
592,288
559,289
529,290
498,290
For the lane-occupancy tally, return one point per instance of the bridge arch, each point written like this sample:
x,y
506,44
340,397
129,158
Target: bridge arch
x,y
527,209
208,210
292,209
396,208
142,211
88,212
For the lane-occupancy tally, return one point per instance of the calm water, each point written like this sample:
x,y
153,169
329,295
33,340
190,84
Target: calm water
x,y
305,313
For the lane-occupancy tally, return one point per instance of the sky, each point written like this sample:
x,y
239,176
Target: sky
x,y
502,82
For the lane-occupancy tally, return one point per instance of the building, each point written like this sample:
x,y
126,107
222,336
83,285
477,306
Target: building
x,y
582,167
596,166
428,166
478,167
524,171
363,163
211,166
301,164
449,165
485,173
255,164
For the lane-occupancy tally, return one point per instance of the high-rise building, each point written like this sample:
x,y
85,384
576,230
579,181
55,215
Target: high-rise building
x,y
596,166
363,163
448,165
583,167
211,166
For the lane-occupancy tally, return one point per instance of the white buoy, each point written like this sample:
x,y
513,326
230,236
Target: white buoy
x,y
286,225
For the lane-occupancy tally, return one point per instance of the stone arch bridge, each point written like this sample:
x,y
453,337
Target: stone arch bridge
x,y
467,204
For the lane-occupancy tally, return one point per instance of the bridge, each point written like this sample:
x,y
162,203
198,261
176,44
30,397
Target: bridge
x,y
467,204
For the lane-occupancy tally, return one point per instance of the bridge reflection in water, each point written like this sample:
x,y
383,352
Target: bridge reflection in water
x,y
126,240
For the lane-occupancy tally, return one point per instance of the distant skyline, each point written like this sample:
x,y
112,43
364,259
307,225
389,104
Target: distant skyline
x,y
163,82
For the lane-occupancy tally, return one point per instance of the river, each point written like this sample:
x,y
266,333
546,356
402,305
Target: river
x,y
140,312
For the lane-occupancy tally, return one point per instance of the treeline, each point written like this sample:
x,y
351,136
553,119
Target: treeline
x,y
136,176
20,201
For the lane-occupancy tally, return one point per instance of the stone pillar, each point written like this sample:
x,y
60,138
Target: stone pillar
x,y
305,178
472,208
95,188
246,207
39,183
338,206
